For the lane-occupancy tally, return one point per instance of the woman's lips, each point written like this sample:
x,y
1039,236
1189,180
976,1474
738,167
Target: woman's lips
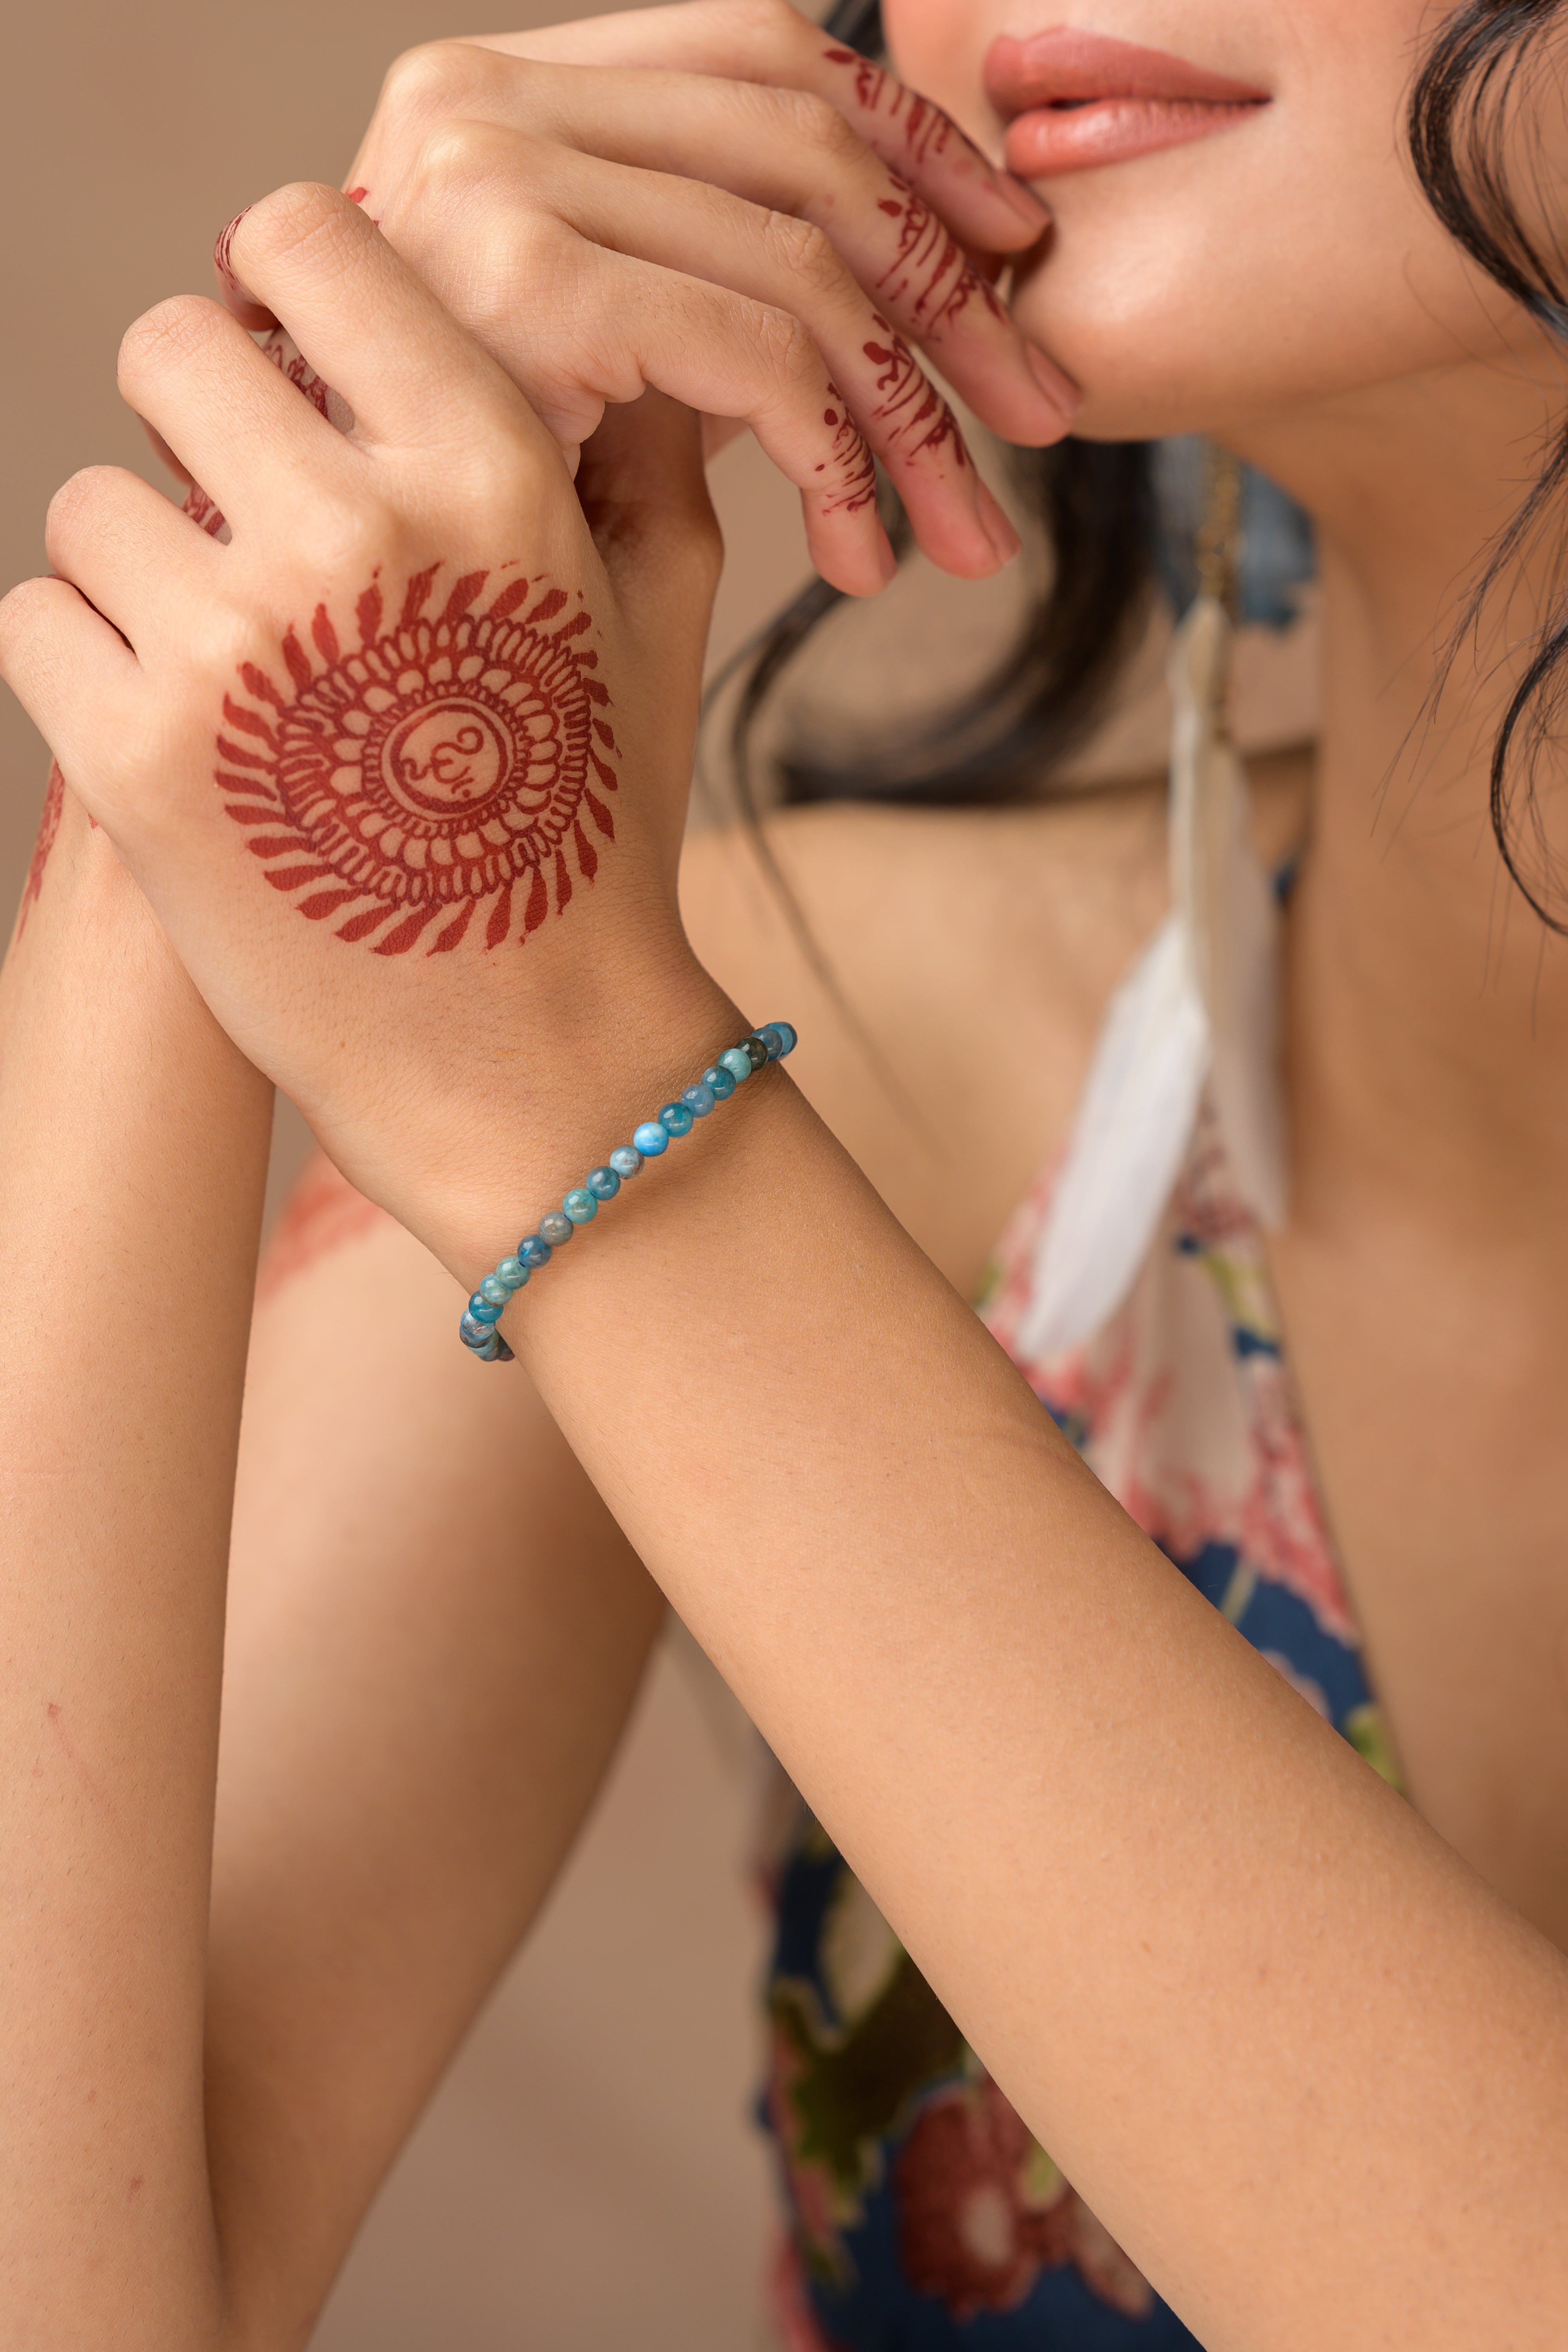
x,y
1074,99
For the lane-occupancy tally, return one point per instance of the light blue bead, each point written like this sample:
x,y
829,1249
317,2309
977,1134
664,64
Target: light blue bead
x,y
738,1062
790,1037
491,1348
472,1334
497,1291
580,1205
555,1229
675,1118
624,1160
512,1272
699,1099
773,1038
483,1309
533,1250
650,1139
723,1084
603,1182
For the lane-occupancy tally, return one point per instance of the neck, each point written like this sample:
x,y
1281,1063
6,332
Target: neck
x,y
1427,1021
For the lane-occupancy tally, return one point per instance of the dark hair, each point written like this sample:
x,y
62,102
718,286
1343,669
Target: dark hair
x,y
1096,505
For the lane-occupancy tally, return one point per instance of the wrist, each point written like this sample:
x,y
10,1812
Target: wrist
x,y
555,1103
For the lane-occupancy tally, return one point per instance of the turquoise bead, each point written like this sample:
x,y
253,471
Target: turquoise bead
x,y
483,1309
723,1084
512,1272
738,1062
789,1036
771,1038
555,1229
580,1205
699,1099
651,1138
603,1182
472,1334
497,1291
533,1250
491,1348
624,1160
676,1118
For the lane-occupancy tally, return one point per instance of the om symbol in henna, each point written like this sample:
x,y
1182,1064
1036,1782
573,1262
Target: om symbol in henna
x,y
444,769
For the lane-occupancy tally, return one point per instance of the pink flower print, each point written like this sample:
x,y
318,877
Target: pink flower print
x,y
982,2211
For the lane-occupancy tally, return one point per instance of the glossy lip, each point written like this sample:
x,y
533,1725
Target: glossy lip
x,y
1075,100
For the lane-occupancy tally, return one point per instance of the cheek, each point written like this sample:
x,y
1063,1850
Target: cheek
x,y
939,47
1290,259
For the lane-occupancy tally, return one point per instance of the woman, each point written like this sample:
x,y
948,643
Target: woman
x,y
1296,2041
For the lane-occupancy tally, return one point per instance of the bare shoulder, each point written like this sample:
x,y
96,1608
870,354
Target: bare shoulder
x,y
948,971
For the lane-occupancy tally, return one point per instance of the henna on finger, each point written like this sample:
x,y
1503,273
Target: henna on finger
x,y
49,828
434,784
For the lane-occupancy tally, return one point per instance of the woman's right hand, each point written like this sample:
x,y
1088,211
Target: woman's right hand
x,y
715,200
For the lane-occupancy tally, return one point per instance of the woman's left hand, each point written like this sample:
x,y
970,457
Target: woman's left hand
x,y
402,767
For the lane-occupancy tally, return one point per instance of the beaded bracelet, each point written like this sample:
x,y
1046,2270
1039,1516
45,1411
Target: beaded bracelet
x,y
477,1331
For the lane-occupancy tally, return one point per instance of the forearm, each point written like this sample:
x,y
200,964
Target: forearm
x,y
132,1155
1121,1848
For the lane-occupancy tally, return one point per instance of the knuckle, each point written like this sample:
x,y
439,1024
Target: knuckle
x,y
785,350
817,125
164,336
341,534
432,76
75,501
305,220
805,251
453,159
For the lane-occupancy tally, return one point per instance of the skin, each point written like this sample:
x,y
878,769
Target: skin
x,y
953,1660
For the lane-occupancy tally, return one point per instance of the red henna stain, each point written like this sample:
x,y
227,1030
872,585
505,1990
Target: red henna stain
x,y
49,826
853,458
929,274
437,767
911,405
922,128
221,257
358,195
322,1213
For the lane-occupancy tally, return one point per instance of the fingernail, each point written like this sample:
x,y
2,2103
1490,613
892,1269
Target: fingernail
x,y
996,525
1024,202
1057,387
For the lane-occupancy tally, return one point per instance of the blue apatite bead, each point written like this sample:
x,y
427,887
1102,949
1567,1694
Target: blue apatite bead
x,y
624,1160
535,1251
483,1309
789,1038
491,1348
699,1099
555,1229
738,1062
497,1291
720,1082
771,1038
512,1272
474,1335
603,1182
580,1205
675,1118
651,1138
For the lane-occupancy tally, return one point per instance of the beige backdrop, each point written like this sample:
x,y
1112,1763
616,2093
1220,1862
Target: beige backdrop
x,y
588,2179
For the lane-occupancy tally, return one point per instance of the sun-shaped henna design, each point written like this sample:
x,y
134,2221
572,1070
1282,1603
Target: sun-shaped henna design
x,y
443,770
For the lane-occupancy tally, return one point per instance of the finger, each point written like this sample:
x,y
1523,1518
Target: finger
x,y
741,42
194,377
772,258
73,677
368,326
790,152
130,553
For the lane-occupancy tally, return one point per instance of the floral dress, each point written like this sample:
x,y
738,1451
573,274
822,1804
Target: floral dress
x,y
922,2213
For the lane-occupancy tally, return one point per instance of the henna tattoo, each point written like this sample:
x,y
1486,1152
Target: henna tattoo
x,y
917,414
221,260
851,456
445,766
49,826
930,271
322,1214
923,129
